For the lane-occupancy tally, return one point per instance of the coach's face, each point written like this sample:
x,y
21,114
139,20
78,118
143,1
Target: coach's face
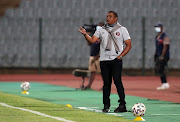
x,y
111,19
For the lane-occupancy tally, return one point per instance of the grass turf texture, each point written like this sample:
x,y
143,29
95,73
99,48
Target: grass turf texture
x,y
11,114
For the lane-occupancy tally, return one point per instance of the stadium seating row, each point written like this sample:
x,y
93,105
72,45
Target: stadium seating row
x,y
62,43
100,4
89,12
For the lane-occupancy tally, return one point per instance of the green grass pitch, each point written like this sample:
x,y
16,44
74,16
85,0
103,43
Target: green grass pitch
x,y
57,110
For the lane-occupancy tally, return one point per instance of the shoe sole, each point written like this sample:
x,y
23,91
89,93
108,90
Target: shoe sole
x,y
120,111
161,88
107,111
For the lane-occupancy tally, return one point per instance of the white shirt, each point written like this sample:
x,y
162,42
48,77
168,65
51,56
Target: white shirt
x,y
121,34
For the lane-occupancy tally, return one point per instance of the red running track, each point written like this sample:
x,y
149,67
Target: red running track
x,y
134,85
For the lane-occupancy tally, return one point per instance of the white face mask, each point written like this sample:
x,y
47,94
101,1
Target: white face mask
x,y
158,29
98,27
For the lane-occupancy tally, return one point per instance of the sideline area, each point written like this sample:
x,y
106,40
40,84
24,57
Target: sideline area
x,y
134,85
160,111
55,110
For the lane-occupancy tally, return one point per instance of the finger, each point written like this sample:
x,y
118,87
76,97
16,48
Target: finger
x,y
81,27
79,30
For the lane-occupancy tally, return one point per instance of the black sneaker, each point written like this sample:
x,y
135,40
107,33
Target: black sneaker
x,y
120,109
105,110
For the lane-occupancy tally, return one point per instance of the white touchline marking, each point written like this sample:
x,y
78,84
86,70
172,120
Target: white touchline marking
x,y
99,111
166,114
115,114
85,108
82,108
93,107
36,112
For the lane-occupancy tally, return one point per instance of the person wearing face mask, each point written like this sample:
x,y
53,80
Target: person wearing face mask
x,y
112,36
162,55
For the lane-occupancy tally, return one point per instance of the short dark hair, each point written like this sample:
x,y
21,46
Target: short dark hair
x,y
115,14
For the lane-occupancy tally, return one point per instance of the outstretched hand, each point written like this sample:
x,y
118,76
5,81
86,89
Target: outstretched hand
x,y
82,30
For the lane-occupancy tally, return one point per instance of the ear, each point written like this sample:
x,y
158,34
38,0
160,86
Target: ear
x,y
116,18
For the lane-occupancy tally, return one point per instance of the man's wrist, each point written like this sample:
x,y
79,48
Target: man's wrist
x,y
121,57
85,34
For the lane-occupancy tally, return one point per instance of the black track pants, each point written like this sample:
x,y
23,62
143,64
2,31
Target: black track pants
x,y
109,70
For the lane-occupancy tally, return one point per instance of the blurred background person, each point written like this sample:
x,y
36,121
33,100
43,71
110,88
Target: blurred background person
x,y
162,55
94,66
